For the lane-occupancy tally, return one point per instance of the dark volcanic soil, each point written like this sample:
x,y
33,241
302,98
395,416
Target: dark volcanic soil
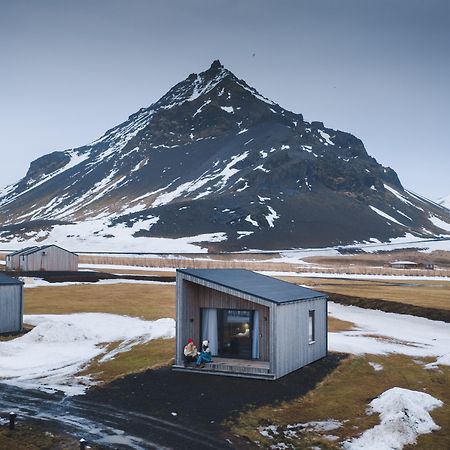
x,y
201,401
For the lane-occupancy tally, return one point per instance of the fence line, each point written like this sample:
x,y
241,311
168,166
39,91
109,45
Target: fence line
x,y
208,263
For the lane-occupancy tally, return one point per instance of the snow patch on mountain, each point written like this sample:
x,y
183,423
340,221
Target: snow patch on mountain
x,y
386,216
440,223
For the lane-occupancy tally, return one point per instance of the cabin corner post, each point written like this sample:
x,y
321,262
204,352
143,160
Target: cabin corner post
x,y
21,307
273,341
179,319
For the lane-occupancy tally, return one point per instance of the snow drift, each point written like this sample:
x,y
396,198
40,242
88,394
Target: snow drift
x,y
60,346
404,415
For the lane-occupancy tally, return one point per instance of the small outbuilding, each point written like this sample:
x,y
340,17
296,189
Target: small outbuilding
x,y
257,326
11,304
46,258
403,265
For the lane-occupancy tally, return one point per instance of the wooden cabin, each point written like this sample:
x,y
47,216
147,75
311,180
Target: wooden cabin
x,y
257,326
11,304
46,258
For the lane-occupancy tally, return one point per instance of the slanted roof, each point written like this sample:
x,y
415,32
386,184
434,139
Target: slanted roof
x,y
24,250
6,280
410,263
255,284
30,250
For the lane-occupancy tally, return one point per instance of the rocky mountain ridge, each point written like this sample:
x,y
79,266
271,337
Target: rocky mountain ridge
x,y
216,163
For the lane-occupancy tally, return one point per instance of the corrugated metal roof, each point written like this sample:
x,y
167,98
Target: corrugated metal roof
x,y
255,284
5,279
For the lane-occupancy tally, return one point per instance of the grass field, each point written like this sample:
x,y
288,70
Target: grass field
x,y
344,395
146,301
432,294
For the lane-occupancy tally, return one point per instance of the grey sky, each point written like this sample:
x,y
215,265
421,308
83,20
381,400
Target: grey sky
x,y
378,69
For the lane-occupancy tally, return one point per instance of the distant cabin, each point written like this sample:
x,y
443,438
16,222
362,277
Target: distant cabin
x,y
257,326
403,265
11,304
46,258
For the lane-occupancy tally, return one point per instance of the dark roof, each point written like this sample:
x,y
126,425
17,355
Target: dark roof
x,y
255,284
30,250
26,249
5,279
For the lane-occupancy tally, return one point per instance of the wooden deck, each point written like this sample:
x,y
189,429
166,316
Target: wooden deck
x,y
232,367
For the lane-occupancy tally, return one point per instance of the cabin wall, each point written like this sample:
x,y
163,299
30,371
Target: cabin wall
x,y
12,262
290,342
11,308
50,259
191,297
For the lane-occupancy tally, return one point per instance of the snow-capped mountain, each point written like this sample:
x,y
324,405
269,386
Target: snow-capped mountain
x,y
214,161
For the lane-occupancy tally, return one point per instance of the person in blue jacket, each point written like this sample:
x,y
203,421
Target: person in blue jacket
x,y
205,355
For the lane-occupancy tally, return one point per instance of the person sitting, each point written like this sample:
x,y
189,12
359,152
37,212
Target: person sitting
x,y
205,355
190,352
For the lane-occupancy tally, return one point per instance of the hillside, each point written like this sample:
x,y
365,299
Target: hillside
x,y
214,163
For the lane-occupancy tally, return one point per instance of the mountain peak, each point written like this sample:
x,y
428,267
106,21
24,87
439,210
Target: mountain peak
x,y
216,65
214,158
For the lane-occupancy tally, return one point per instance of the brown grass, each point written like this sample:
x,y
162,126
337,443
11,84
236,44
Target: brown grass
x,y
432,294
139,271
345,394
151,355
37,436
197,262
8,337
440,258
336,325
342,395
352,264
147,301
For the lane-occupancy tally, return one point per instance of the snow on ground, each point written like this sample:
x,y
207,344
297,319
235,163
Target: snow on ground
x,y
381,333
357,276
291,431
375,366
408,241
90,235
50,356
404,415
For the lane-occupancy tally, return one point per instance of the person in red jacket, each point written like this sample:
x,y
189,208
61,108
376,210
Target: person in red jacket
x,y
190,352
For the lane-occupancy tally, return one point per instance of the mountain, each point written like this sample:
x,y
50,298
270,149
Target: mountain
x,y
216,164
445,201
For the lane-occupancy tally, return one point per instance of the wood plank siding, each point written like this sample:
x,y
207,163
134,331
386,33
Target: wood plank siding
x,y
11,308
191,297
292,348
286,324
48,258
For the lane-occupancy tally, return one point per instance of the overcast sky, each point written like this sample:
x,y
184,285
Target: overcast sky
x,y
379,69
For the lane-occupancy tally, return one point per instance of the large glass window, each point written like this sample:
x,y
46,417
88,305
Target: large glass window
x,y
235,333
